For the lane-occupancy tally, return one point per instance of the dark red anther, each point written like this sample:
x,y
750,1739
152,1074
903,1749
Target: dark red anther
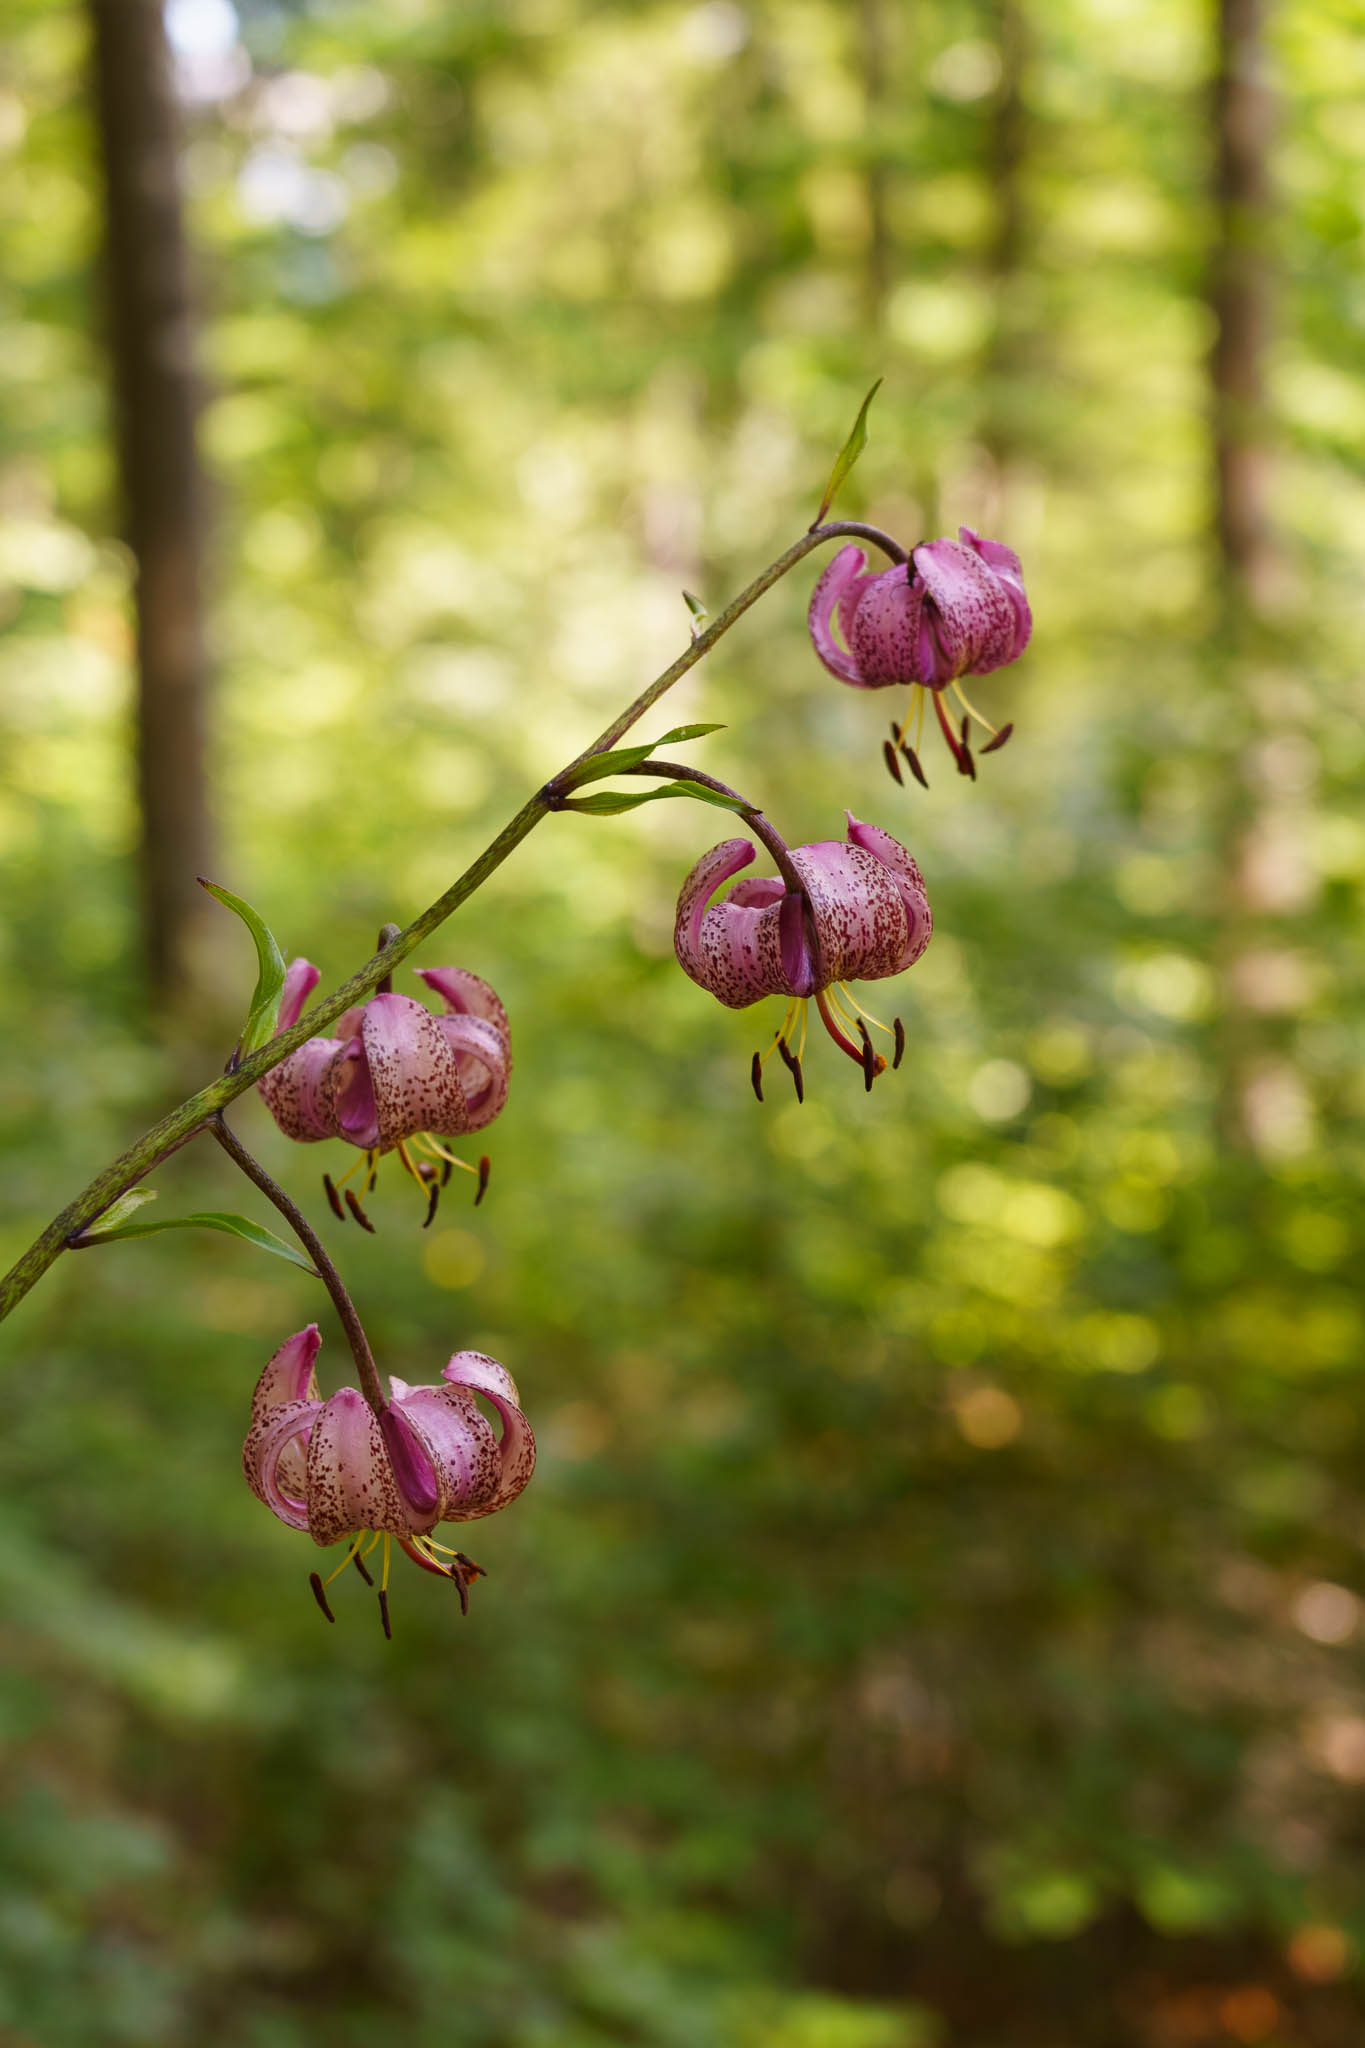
x,y
913,758
446,1172
967,766
361,1218
893,766
431,1205
869,1057
792,1063
384,1615
899,1030
315,1581
358,1561
966,727
425,1170
333,1197
999,740
372,1161
485,1168
756,1075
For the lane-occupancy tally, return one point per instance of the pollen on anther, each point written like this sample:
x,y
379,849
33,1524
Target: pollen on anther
x,y
993,746
899,1030
431,1204
384,1614
315,1581
358,1561
893,766
792,1062
361,1218
485,1168
329,1188
756,1075
869,1057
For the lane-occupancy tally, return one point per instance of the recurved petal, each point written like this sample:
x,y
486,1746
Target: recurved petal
x,y
289,1376
973,613
484,1064
711,870
884,628
1006,566
414,1072
461,1445
837,590
351,1483
298,1092
467,994
350,1095
905,874
477,1373
274,1459
300,979
859,913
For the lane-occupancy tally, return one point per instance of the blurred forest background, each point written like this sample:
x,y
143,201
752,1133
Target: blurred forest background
x,y
936,1618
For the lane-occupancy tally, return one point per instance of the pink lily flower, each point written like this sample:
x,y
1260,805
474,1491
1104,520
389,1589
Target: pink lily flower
x,y
864,915
962,612
337,1469
393,1074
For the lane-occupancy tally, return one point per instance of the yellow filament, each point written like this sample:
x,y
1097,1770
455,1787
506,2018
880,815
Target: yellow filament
x,y
784,1029
971,709
424,1142
388,1548
842,989
363,1160
923,696
354,1551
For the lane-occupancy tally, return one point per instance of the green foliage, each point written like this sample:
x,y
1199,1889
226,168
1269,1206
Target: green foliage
x,y
935,1616
111,1227
264,1012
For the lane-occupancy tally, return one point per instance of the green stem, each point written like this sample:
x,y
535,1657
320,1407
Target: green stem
x,y
192,1115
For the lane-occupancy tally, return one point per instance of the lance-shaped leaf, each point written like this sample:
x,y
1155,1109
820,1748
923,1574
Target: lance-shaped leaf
x,y
205,1219
598,767
848,454
263,1014
120,1209
607,803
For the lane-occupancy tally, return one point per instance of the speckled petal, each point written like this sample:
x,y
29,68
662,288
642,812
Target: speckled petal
x,y
883,632
468,995
711,870
298,1092
300,979
907,879
483,1063
859,914
351,1484
837,588
1008,570
274,1459
289,1376
474,1371
415,1073
973,615
460,1443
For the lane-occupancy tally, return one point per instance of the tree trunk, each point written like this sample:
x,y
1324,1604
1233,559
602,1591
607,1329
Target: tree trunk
x,y
1240,287
151,330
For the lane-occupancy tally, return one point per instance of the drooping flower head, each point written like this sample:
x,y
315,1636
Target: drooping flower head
x,y
338,1470
862,914
956,608
395,1077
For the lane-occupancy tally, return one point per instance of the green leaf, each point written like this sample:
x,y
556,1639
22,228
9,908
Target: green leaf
x,y
848,454
264,1012
606,803
686,732
207,1219
123,1206
599,766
